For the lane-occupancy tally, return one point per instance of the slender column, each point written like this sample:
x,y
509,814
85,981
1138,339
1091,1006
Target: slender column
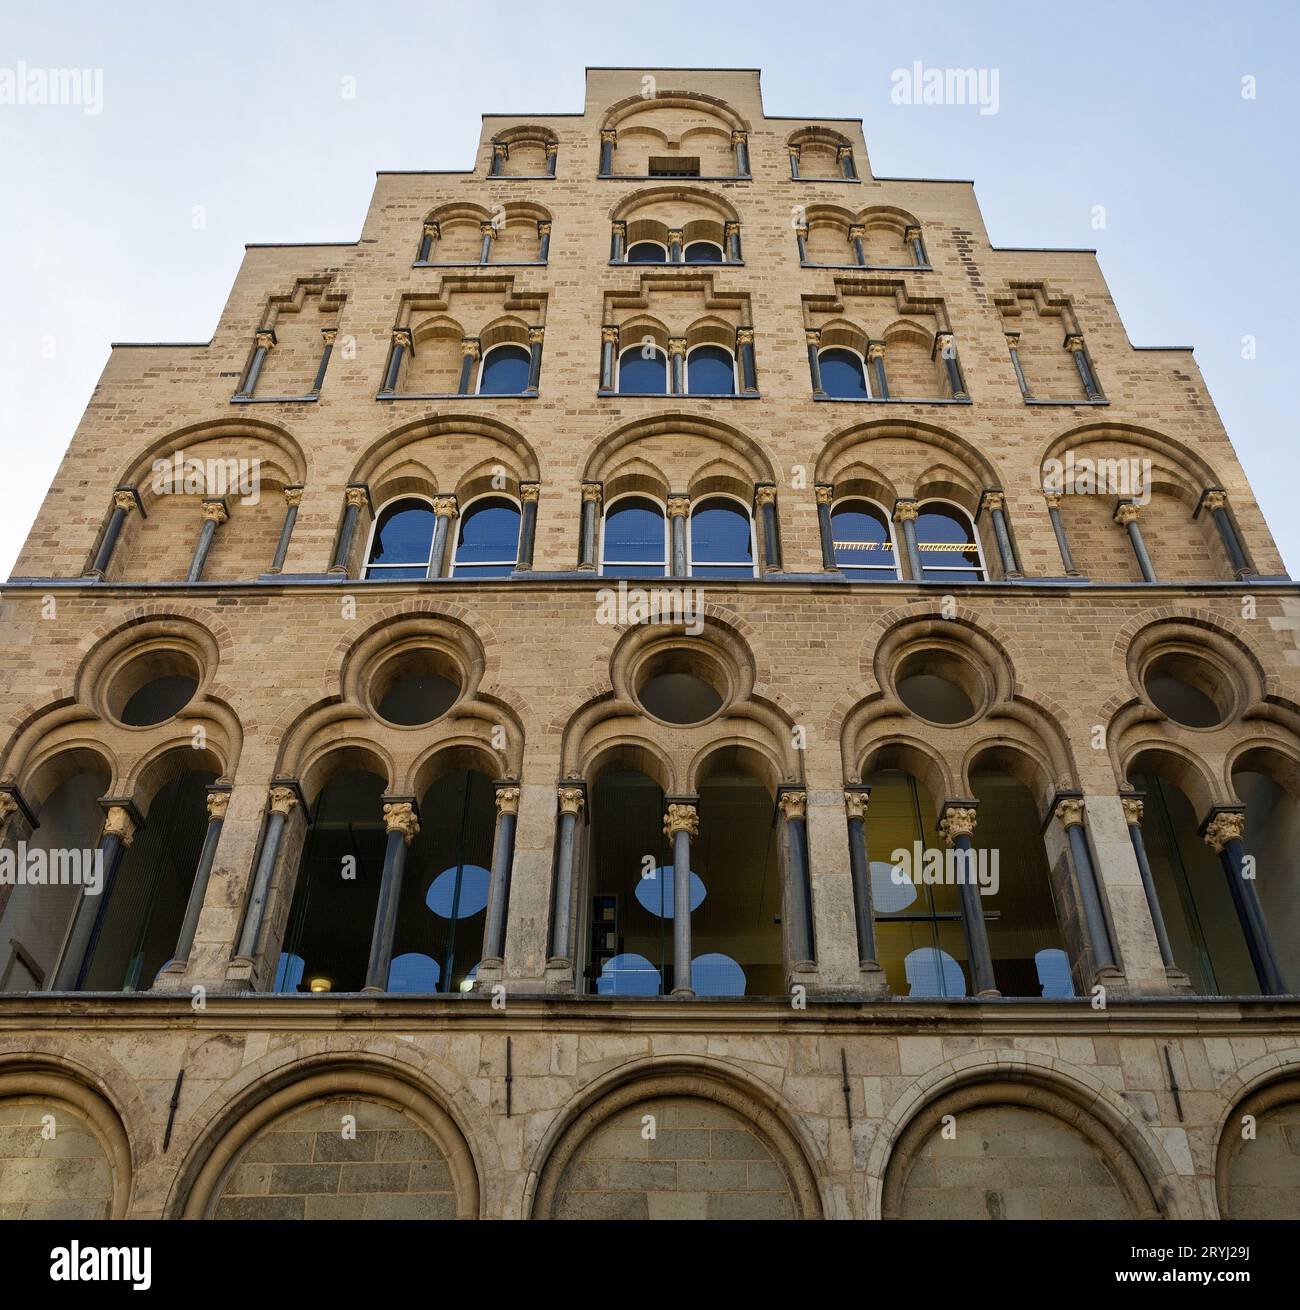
x,y
1013,346
794,161
1070,813
218,802
813,338
120,825
214,515
876,359
125,499
676,243
801,239
731,234
677,364
592,493
912,237
503,855
572,798
681,823
617,241
283,798
765,501
401,824
470,351
946,345
528,496
552,151
1132,806
996,504
1053,499
608,351
1215,499
956,826
905,515
487,232
500,153
855,805
445,510
263,340
740,144
1126,515
1074,344
844,154
292,503
535,335
355,498
543,242
858,239
745,349
432,232
402,342
1223,834
825,494
679,508
794,809
608,140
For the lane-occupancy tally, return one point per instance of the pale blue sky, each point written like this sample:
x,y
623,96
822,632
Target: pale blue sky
x,y
237,107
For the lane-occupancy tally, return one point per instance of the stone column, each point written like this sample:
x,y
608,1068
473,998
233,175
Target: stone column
x,y
681,823
856,800
1013,347
500,153
470,351
876,362
292,503
677,365
801,240
503,852
1070,813
486,231
825,494
1215,500
1223,832
946,345
446,510
16,824
263,340
120,825
813,338
327,336
552,151
125,499
218,803
906,513
529,492
608,352
765,503
214,515
355,498
1074,344
592,493
572,797
281,802
745,350
679,509
912,237
996,504
676,243
608,140
731,234
844,156
793,805
401,824
956,826
543,242
1126,515
794,161
740,144
1133,806
1053,499
432,233
402,341
857,239
617,241
535,335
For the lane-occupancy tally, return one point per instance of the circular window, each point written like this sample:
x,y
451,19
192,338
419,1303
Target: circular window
x,y
938,686
415,687
681,686
153,688
1187,690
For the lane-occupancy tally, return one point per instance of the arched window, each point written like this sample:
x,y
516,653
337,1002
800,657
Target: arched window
x,y
402,541
504,372
844,375
864,546
643,371
487,545
647,252
721,539
946,541
635,540
710,371
703,252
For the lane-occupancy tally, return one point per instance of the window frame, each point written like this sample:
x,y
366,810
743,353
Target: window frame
x,y
893,569
698,503
488,563
981,569
618,372
866,372
662,506
735,371
482,366
647,241
704,241
374,528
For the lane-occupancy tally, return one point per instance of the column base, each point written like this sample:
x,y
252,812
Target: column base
x,y
683,993
991,994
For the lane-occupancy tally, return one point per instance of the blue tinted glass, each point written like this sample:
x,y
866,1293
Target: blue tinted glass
x,y
634,530
710,372
505,372
459,892
717,975
483,570
628,975
402,574
861,537
656,894
640,376
937,527
489,533
702,252
646,252
721,571
404,534
633,570
720,533
413,972
842,375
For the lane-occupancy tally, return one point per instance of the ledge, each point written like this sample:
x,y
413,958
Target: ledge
x,y
683,395
871,268
675,177
1101,400
842,181
713,263
887,400
275,400
520,263
454,395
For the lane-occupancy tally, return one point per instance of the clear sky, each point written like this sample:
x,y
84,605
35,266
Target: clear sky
x,y
238,108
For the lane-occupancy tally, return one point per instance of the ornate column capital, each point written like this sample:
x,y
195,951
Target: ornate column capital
x,y
730,228
856,800
1073,342
1069,812
681,817
1224,827
825,493
214,511
535,335
529,492
470,346
328,335
445,507
1215,499
738,138
293,496
857,231
911,233
218,804
124,499
592,491
744,336
875,350
507,799
264,338
402,337
956,822
1053,499
812,336
119,823
356,496
944,342
994,500
487,228
609,335
801,229
677,346
572,800
1126,513
544,228
620,226
1133,807
906,511
1013,340
8,806
793,804
841,151
793,151
433,229
399,816
501,149
764,494
679,505
282,800
676,235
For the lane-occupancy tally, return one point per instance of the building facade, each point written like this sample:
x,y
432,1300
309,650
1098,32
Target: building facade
x,y
669,678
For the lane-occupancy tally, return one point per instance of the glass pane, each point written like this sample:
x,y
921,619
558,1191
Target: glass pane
x,y
946,538
505,372
381,574
703,252
404,534
634,531
647,252
489,532
633,570
710,372
720,533
638,375
861,538
1272,835
842,375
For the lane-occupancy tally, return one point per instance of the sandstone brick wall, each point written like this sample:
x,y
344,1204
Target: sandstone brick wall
x,y
63,1176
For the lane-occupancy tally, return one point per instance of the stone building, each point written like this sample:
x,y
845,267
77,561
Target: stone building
x,y
528,685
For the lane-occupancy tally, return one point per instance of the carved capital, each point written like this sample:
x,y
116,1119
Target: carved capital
x,y
1070,812
487,228
1213,500
591,492
1074,343
1132,807
906,511
825,493
812,336
609,336
793,804
500,149
124,500
356,497
328,335
1013,340
620,227
677,346
994,500
445,507
264,338
1126,513
679,506
875,350
676,236
214,511
283,800
218,804
730,228
8,806
470,346
571,800
744,337
765,495
794,152
857,231
402,337
608,136
956,823
543,229
293,496
1053,499
399,816
855,804
1226,826
118,823
529,492
432,229
535,335
738,138
681,818
911,233
507,799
